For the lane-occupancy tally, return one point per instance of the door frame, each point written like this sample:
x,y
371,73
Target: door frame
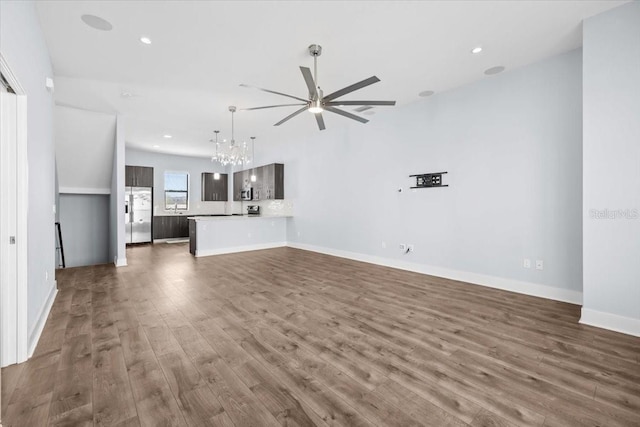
x,y
22,184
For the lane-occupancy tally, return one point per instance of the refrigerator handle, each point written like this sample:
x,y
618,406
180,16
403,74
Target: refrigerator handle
x,y
131,210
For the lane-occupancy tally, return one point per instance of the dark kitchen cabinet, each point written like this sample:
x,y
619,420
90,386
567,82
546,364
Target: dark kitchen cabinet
x,y
138,176
170,227
192,236
269,183
214,190
240,180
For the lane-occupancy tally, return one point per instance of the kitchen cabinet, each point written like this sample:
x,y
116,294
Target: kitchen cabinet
x,y
192,237
269,184
170,227
138,176
240,180
214,190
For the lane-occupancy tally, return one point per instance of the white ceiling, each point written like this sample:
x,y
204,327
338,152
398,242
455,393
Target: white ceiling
x,y
184,81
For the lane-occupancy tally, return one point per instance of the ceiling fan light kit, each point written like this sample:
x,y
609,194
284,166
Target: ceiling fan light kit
x,y
316,102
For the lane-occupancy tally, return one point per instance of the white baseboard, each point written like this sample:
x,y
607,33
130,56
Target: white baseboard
x,y
36,331
257,247
600,319
527,288
120,262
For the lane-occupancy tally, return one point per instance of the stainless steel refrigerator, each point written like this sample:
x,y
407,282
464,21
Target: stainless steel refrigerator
x,y
138,206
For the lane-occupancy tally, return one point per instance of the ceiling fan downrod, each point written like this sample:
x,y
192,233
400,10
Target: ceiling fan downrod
x,y
315,50
316,104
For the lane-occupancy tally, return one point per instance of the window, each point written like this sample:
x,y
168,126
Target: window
x,y
176,191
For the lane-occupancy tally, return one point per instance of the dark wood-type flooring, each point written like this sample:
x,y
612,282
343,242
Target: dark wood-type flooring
x,y
290,337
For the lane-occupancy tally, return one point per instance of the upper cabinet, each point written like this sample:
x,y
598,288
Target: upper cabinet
x,y
214,190
269,183
138,176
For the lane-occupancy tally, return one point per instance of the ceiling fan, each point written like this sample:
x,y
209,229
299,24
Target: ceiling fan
x,y
317,102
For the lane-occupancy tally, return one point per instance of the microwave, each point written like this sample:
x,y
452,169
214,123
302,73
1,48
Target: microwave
x,y
246,194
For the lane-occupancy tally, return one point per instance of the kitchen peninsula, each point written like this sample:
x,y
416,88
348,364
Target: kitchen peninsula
x,y
222,234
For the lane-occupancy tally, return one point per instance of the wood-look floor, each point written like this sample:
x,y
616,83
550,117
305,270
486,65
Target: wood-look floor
x,y
289,337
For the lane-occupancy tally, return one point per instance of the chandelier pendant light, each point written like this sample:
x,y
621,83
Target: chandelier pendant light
x,y
253,156
230,153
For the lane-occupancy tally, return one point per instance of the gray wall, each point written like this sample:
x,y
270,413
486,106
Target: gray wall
x,y
512,145
612,163
193,165
23,45
84,219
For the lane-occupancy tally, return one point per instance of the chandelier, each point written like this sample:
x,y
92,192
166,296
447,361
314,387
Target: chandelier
x,y
230,153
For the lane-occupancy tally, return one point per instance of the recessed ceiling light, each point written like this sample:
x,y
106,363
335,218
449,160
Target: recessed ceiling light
x,y
494,70
476,49
167,136
145,40
96,22
156,146
426,93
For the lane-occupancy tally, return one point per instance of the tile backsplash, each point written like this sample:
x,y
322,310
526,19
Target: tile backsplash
x,y
267,207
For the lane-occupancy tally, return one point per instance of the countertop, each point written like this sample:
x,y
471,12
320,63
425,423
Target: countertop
x,y
234,217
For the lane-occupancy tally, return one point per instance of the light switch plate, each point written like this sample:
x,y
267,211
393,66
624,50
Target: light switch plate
x,y
539,264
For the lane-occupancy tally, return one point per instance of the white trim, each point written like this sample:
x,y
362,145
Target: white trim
x,y
22,209
600,319
36,331
10,77
527,288
235,249
79,190
22,228
120,262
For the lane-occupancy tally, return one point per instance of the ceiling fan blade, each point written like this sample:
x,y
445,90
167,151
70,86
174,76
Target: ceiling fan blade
x,y
270,106
292,115
320,121
345,114
277,93
311,85
339,103
364,83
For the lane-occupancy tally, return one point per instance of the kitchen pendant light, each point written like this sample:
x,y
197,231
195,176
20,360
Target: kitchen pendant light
x,y
253,156
230,153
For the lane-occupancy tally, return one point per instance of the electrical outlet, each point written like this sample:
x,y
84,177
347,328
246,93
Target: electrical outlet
x,y
526,263
410,248
384,245
403,246
298,234
539,264
46,276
